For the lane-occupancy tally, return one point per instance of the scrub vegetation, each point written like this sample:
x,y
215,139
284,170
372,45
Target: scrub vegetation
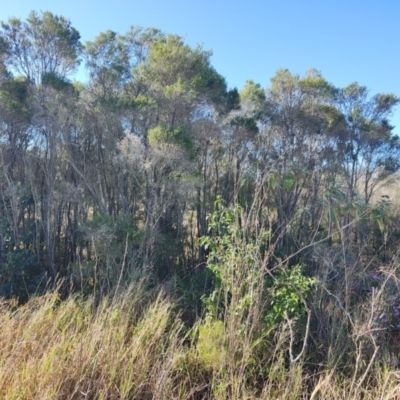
x,y
165,237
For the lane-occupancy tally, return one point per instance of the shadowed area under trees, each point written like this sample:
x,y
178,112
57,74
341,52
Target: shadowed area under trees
x,y
227,243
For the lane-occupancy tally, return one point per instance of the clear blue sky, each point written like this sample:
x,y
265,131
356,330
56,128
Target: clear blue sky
x,y
347,40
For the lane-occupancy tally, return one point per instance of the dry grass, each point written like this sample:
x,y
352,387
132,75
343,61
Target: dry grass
x,y
135,346
74,350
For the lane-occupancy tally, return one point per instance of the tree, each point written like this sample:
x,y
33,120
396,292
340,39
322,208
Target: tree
x,y
42,51
365,141
44,44
293,145
182,88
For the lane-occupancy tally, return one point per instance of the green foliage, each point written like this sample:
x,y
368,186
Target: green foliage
x,y
210,345
283,80
15,99
162,136
45,43
140,102
108,231
236,266
233,263
288,291
315,84
380,213
252,97
152,138
355,92
232,100
21,275
107,59
288,182
56,82
247,123
336,206
178,72
113,242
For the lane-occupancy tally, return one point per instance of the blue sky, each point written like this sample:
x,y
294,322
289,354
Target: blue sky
x,y
347,40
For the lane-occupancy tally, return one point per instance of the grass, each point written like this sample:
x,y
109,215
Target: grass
x,y
135,346
118,349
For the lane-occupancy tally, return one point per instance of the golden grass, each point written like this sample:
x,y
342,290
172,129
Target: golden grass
x,y
74,350
135,346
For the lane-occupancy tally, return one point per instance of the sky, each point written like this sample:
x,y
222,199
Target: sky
x,y
347,40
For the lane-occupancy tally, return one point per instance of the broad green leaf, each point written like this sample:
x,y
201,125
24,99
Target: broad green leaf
x,y
288,182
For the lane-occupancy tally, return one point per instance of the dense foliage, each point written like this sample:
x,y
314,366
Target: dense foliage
x,y
264,214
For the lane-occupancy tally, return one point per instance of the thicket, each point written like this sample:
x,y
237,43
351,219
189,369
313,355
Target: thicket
x,y
163,236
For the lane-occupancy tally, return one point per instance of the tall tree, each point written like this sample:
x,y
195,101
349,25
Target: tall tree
x,y
183,88
44,44
44,49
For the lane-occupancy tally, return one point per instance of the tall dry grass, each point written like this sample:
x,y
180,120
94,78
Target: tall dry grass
x,y
118,349
134,345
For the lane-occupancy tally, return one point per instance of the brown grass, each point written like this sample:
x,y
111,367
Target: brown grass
x,y
135,346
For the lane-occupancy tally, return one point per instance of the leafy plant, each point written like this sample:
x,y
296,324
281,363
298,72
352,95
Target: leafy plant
x,y
288,291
